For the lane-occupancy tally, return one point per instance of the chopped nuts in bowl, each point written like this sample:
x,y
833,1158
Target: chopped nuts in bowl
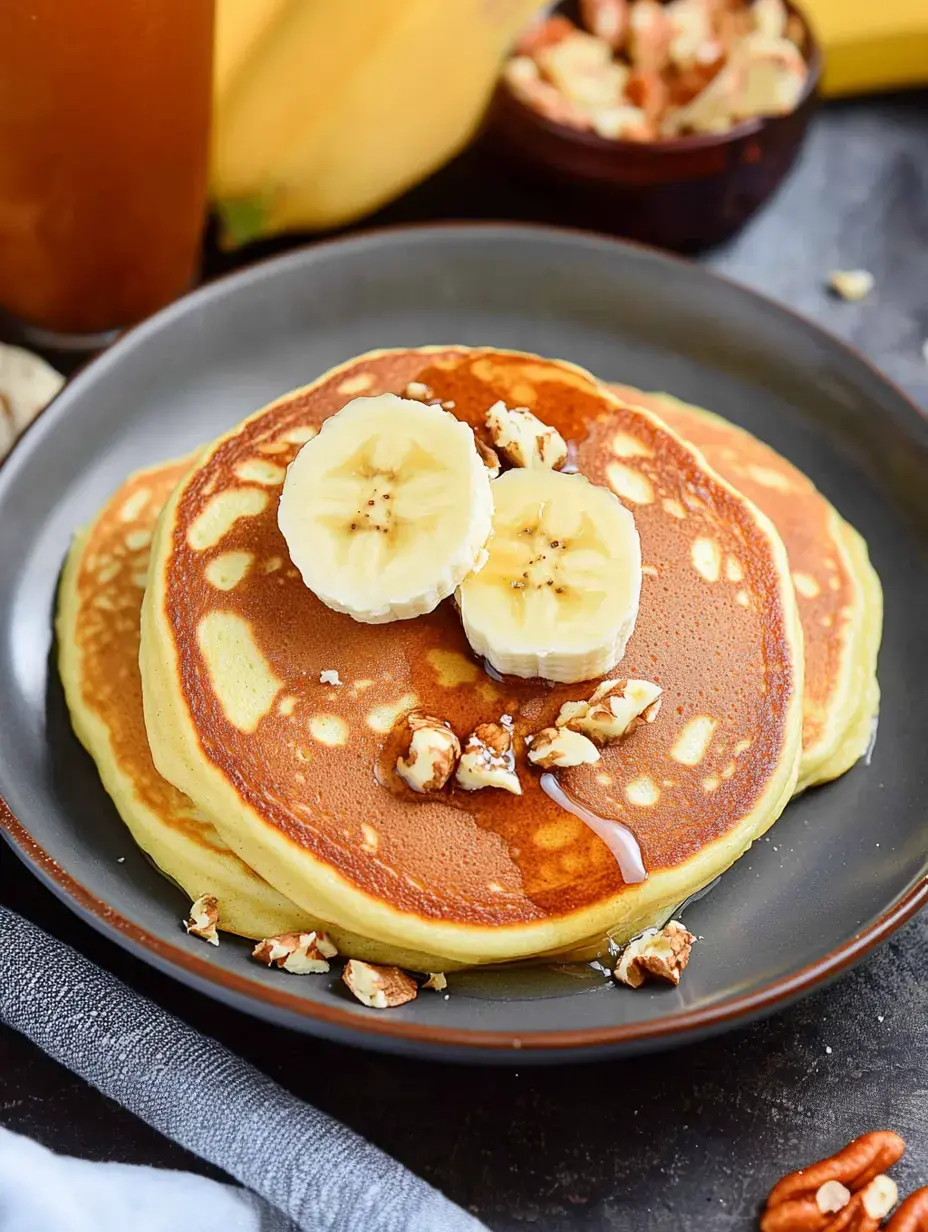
x,y
670,123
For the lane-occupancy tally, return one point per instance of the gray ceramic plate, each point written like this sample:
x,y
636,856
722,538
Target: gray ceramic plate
x,y
844,866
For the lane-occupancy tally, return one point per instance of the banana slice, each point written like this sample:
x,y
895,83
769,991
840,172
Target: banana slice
x,y
558,596
387,509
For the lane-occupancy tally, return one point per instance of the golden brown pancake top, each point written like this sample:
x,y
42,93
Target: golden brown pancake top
x,y
316,761
809,527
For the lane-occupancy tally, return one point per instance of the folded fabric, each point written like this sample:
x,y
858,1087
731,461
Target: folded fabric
x,y
319,1174
40,1191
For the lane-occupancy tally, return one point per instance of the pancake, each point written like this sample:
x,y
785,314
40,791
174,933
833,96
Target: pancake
x,y
839,594
297,774
99,606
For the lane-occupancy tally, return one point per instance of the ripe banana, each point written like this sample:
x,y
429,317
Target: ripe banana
x,y
387,509
558,596
326,109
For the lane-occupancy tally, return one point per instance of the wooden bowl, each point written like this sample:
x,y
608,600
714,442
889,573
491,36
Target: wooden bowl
x,y
685,194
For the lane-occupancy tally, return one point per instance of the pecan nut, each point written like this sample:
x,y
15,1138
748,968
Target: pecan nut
x,y
912,1215
846,1193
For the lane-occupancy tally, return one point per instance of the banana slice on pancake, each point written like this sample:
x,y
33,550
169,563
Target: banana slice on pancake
x,y
388,509
558,596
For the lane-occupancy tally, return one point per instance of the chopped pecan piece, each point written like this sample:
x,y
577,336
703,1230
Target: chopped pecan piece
x,y
770,18
419,392
623,124
523,439
559,747
658,954
615,709
204,919
606,20
524,79
488,456
379,988
650,34
431,755
489,759
298,953
580,67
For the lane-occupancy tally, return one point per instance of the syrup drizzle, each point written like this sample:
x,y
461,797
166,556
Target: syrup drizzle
x,y
491,670
871,743
618,838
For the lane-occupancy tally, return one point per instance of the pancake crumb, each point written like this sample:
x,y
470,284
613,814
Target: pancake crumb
x,y
851,285
330,677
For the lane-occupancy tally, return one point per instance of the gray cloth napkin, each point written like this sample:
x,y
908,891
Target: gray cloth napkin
x,y
320,1175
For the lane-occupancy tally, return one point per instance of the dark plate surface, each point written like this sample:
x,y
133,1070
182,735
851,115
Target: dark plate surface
x,y
843,867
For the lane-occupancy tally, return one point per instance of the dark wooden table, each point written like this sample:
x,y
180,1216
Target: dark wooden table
x,y
690,1139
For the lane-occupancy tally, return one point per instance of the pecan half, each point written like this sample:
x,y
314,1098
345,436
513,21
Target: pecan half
x,y
810,1200
912,1215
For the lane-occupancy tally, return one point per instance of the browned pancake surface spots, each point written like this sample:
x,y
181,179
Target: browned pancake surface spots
x,y
488,857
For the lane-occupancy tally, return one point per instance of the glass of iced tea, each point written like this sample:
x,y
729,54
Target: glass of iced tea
x,y
104,143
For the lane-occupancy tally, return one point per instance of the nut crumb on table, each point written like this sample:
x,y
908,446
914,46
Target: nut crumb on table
x,y
851,285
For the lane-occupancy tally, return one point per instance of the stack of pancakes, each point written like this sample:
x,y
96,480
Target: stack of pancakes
x,y
191,654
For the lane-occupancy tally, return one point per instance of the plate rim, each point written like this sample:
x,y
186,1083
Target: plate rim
x,y
262,1001
198,973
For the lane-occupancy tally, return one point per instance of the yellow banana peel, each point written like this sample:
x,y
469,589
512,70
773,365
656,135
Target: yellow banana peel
x,y
326,109
870,46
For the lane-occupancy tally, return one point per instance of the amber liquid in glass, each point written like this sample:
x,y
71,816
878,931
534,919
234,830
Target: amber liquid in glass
x,y
104,142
